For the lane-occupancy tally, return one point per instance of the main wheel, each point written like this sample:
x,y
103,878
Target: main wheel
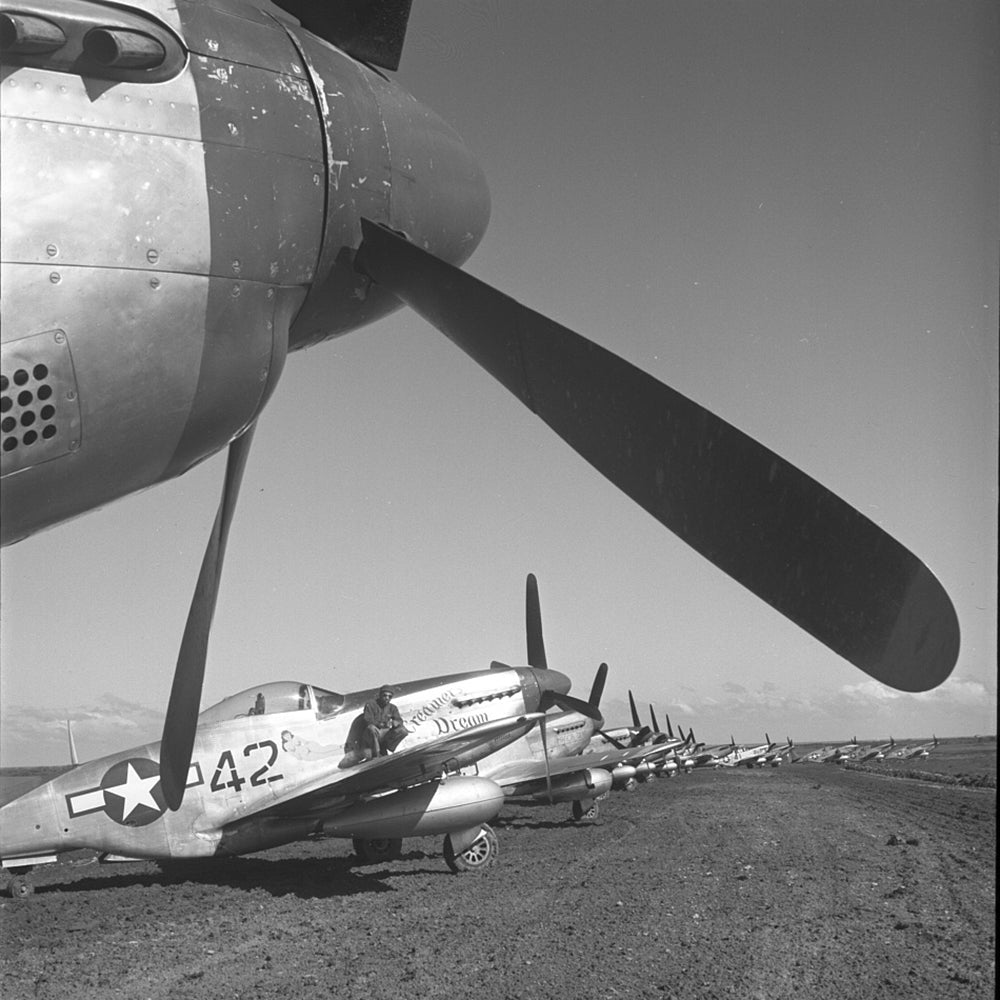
x,y
481,854
373,851
580,812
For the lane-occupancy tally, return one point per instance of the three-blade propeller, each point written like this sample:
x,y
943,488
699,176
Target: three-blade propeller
x,y
780,533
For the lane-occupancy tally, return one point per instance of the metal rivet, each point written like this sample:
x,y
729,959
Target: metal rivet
x,y
152,256
74,445
154,282
236,267
71,395
55,278
236,291
60,338
52,250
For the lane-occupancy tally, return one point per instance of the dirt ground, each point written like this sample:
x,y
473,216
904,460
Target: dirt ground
x,y
806,881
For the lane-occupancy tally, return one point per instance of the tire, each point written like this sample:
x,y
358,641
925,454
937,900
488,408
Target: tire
x,y
482,854
581,812
20,888
377,850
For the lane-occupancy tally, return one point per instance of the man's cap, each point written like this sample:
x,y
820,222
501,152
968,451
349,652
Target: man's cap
x,y
385,689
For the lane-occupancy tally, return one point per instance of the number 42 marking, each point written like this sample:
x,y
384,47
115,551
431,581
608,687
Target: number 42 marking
x,y
257,779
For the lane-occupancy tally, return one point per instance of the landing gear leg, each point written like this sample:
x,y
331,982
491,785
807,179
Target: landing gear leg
x,y
374,851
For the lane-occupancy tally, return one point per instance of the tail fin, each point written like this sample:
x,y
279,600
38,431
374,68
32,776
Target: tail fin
x,y
635,714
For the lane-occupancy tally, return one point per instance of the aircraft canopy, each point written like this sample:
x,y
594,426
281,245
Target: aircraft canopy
x,y
272,699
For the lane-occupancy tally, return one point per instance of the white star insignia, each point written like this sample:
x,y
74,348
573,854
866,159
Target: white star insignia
x,y
135,792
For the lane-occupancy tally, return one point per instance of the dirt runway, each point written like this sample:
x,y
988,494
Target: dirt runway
x,y
802,882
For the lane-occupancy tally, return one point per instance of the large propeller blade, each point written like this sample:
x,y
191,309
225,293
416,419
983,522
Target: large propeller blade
x,y
185,694
597,688
757,517
533,625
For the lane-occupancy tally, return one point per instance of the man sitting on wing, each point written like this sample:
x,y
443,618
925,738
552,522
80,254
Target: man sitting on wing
x,y
384,729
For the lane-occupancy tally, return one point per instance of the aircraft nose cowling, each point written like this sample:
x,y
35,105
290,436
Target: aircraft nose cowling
x,y
537,683
393,161
438,193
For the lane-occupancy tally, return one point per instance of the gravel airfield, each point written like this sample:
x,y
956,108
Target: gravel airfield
x,y
805,881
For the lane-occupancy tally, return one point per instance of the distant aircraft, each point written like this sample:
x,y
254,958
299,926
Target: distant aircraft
x,y
746,756
284,760
634,735
838,754
913,751
711,756
872,752
776,756
279,190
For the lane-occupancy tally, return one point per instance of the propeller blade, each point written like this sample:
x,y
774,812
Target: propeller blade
x,y
533,625
755,516
181,722
597,688
640,737
636,724
545,754
570,704
617,744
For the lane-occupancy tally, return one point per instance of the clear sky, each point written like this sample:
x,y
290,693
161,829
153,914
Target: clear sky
x,y
786,210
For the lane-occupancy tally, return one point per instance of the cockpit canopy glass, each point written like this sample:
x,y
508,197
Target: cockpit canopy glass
x,y
272,699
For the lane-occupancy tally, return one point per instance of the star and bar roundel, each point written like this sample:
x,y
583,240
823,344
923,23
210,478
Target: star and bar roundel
x,y
129,793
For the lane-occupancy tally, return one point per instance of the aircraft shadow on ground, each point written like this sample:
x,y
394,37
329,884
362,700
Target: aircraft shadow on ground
x,y
306,878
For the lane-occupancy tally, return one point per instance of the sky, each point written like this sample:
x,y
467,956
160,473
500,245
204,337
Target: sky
x,y
785,210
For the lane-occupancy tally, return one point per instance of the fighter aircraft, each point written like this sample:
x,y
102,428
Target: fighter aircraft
x,y
913,751
746,756
193,191
776,756
835,755
872,751
710,756
285,760
634,735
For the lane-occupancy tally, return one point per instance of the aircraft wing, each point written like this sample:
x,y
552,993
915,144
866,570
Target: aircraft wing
x,y
411,766
518,772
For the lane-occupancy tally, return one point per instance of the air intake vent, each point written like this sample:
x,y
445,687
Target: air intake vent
x,y
39,404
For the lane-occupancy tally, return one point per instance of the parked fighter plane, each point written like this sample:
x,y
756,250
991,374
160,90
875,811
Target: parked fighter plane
x,y
746,756
285,760
872,752
712,756
193,191
913,751
776,756
837,754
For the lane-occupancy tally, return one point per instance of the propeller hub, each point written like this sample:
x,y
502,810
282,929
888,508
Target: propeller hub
x,y
539,684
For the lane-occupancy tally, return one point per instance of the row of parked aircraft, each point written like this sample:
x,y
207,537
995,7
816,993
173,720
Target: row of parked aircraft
x,y
288,760
869,752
